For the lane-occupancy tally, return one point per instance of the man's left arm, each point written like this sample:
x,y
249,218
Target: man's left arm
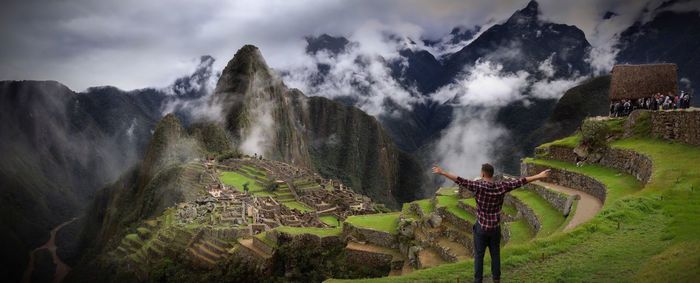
x,y
517,183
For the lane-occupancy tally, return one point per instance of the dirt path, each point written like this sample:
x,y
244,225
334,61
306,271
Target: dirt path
x,y
429,258
61,268
587,207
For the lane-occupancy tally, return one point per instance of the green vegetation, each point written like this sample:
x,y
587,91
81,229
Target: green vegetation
x,y
253,171
297,205
571,141
447,191
619,184
330,220
520,232
469,201
450,203
237,180
426,205
387,222
321,232
550,218
263,237
509,209
656,240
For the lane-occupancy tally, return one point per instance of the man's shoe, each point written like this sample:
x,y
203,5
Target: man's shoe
x,y
496,280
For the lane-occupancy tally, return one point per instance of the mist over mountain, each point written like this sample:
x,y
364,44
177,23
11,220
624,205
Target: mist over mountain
x,y
372,105
520,67
59,146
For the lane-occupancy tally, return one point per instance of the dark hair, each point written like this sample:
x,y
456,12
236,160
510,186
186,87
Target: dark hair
x,y
487,169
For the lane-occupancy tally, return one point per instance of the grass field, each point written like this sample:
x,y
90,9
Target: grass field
x,y
321,232
237,180
619,184
520,232
387,222
299,206
640,235
330,220
550,218
450,203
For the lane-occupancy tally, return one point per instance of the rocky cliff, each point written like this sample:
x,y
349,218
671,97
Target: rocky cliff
x,y
339,141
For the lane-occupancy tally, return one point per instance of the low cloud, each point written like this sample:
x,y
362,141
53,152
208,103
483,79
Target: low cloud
x,y
360,73
469,141
484,85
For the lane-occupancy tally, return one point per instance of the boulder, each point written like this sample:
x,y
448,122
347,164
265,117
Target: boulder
x,y
435,220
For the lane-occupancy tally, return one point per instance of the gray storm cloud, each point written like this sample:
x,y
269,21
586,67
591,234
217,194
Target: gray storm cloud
x,y
134,44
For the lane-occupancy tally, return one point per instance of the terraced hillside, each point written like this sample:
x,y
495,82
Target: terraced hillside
x,y
636,219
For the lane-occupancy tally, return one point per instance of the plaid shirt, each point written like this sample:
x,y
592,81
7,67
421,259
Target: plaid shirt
x,y
489,198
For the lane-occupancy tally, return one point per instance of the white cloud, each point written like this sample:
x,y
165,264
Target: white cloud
x,y
469,141
361,72
484,85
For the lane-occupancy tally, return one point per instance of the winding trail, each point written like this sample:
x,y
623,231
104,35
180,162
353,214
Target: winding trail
x,y
62,269
587,207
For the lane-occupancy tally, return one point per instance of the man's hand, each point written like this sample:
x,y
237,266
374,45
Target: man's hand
x,y
542,175
438,170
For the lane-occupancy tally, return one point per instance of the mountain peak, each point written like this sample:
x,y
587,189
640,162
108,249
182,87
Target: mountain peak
x,y
332,44
528,14
195,85
247,62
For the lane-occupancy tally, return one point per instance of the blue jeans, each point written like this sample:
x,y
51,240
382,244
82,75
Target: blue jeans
x,y
492,240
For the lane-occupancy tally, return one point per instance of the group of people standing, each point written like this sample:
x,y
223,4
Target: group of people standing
x,y
658,101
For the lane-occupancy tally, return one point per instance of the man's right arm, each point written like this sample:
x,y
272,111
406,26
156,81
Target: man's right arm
x,y
542,175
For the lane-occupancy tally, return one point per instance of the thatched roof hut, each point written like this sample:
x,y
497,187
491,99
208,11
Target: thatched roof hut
x,y
641,81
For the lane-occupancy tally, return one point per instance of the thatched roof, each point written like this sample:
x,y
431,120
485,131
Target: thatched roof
x,y
637,81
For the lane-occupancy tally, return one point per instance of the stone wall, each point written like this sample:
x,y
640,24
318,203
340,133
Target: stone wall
x,y
449,217
569,179
379,238
628,161
680,126
415,208
228,234
557,152
378,261
554,198
262,246
525,212
460,238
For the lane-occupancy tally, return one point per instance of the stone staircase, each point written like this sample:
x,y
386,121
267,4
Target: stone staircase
x,y
207,251
365,253
253,246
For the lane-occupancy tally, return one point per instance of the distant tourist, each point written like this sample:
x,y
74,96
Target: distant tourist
x,y
653,104
618,109
627,107
489,200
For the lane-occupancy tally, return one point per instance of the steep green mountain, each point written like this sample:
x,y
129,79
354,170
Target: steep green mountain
x,y
588,99
164,178
338,141
60,146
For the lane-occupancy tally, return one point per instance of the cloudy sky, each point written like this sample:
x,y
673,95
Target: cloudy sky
x,y
135,44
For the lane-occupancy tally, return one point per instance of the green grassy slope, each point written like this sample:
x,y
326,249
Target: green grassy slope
x,y
387,222
640,235
549,217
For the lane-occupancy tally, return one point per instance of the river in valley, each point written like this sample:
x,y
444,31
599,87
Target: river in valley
x,y
61,268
